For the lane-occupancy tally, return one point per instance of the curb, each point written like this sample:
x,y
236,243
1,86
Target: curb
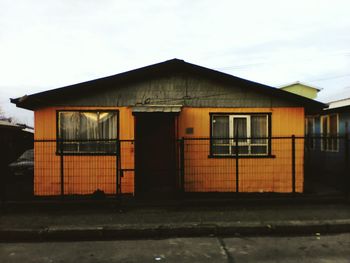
x,y
133,202
122,232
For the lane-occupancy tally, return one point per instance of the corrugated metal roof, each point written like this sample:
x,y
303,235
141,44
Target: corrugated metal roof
x,y
8,124
163,69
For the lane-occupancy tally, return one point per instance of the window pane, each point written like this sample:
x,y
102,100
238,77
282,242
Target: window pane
x,y
220,149
324,125
333,129
324,132
333,132
240,129
70,147
259,149
310,132
221,128
108,125
259,129
88,131
88,146
69,125
241,149
109,146
310,126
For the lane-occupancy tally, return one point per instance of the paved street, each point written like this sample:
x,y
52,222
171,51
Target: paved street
x,y
315,248
166,214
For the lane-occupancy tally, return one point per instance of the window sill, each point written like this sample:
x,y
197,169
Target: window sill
x,y
241,156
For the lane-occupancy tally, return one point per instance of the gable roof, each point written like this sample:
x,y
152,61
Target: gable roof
x,y
165,68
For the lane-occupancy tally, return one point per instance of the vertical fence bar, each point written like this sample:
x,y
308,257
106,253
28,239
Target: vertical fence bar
x,y
4,174
61,167
237,168
118,167
4,178
347,161
182,164
293,163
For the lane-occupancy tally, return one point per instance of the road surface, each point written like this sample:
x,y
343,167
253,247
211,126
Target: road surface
x,y
314,248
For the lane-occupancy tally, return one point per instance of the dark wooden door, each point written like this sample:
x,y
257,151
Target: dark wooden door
x,y
155,153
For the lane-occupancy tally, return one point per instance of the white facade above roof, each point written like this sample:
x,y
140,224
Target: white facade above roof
x,y
339,103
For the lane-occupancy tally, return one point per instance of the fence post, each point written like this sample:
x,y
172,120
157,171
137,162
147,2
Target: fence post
x,y
347,160
237,168
182,164
293,164
118,167
61,167
4,179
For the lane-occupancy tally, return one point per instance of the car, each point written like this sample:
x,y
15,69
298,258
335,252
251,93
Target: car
x,y
24,165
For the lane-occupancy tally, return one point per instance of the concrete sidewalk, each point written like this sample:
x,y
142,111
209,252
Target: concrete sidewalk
x,y
135,222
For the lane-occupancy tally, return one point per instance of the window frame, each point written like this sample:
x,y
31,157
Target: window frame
x,y
324,137
82,153
232,142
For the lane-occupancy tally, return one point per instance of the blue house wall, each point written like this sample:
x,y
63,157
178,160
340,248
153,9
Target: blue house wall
x,y
330,168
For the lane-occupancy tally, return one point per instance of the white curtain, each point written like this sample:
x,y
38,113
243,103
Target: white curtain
x,y
221,128
88,129
259,129
87,125
69,125
240,128
107,125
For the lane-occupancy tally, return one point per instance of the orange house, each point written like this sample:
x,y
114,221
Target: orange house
x,y
168,127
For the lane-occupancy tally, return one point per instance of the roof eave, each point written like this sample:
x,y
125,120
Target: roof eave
x,y
46,98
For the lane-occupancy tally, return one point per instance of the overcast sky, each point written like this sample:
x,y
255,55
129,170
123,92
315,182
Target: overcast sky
x,y
46,44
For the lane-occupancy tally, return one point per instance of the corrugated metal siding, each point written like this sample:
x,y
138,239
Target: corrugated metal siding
x,y
262,175
83,178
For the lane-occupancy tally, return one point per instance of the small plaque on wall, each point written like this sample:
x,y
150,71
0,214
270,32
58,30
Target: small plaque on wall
x,y
189,130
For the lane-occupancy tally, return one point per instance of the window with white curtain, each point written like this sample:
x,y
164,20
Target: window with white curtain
x,y
248,134
88,131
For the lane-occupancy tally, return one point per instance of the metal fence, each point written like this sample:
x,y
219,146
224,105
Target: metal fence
x,y
327,164
77,167
237,167
247,165
313,165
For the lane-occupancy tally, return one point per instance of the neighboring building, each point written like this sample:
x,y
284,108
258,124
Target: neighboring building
x,y
301,89
14,140
148,110
328,143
